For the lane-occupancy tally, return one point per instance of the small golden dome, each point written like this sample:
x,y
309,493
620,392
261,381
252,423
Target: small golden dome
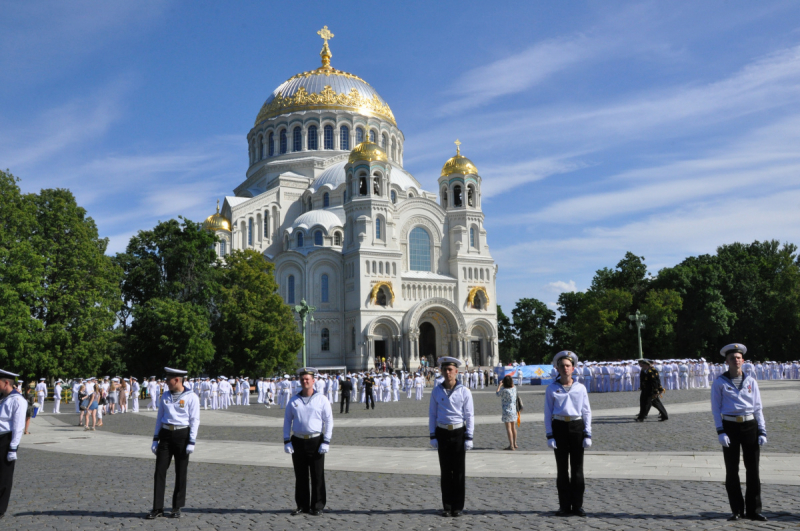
x,y
217,222
368,151
459,164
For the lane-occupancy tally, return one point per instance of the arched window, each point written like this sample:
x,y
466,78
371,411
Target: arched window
x,y
283,141
359,139
325,339
297,139
384,141
380,297
328,137
312,138
394,196
376,185
318,238
324,291
380,267
472,237
266,224
456,196
310,204
223,248
344,138
262,148
344,196
250,231
477,301
290,290
271,143
378,228
372,136
471,196
420,249
337,238
362,185
326,200
299,239
444,197
353,338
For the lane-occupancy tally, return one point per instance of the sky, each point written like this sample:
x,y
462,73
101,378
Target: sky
x,y
665,129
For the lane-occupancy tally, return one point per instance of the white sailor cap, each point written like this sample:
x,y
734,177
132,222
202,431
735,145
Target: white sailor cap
x,y
115,379
134,378
174,372
565,354
733,347
302,371
59,381
448,360
42,379
8,375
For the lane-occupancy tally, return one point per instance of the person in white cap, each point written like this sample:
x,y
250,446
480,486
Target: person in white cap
x,y
451,423
307,432
41,393
57,394
175,436
135,389
76,387
12,424
737,410
568,426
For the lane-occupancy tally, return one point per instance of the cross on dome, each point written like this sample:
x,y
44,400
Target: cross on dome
x,y
325,34
458,146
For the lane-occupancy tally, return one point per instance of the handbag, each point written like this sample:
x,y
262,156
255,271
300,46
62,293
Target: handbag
x,y
519,404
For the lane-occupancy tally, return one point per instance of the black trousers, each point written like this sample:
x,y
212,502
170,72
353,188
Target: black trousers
x,y
743,435
171,444
569,455
369,397
344,404
452,462
307,462
646,400
6,472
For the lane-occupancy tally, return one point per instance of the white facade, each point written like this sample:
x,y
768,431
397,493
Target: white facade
x,y
393,271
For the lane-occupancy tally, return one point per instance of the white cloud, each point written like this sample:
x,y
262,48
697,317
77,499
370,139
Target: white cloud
x,y
559,286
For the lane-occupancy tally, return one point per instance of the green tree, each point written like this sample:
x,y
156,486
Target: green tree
x,y
507,341
602,324
630,275
21,268
533,326
255,330
661,308
565,336
167,332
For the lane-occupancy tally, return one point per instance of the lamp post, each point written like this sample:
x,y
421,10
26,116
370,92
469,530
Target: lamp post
x,y
303,310
638,320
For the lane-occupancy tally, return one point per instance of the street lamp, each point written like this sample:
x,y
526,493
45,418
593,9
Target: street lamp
x,y
303,310
638,319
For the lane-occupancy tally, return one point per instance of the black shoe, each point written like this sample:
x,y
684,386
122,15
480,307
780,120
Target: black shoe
x,y
456,514
298,511
758,517
637,419
446,514
563,512
155,513
734,518
176,513
662,419
315,512
579,512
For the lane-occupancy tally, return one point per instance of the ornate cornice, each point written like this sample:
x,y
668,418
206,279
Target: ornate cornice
x,y
326,99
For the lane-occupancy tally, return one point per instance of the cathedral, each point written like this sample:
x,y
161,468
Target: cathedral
x,y
393,271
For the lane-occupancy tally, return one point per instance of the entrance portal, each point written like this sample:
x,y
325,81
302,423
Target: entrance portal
x,y
476,353
427,343
380,352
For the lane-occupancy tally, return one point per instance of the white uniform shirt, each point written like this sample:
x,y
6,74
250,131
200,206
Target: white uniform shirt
x,y
12,418
726,399
307,415
572,403
453,409
57,392
181,410
41,389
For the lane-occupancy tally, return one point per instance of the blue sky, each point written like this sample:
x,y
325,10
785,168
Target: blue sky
x,y
663,128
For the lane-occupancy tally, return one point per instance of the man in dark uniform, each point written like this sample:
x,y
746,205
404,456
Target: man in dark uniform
x,y
347,389
650,384
369,382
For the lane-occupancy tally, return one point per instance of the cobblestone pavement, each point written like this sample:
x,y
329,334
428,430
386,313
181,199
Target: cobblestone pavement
x,y
115,493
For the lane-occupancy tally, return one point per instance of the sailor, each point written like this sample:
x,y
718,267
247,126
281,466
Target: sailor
x,y
307,432
41,393
76,388
245,387
568,425
395,388
135,388
347,388
683,375
12,423
175,435
451,423
369,383
57,394
152,390
651,392
736,406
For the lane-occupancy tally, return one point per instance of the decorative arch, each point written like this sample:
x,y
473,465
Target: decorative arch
x,y
373,295
474,291
445,307
385,320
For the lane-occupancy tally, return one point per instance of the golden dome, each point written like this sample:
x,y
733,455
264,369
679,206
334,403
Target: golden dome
x,y
459,164
217,221
368,151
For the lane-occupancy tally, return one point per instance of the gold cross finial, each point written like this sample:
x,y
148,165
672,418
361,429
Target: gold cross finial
x,y
217,206
325,33
458,146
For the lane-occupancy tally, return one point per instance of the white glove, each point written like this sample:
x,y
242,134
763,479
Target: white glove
x,y
587,443
551,443
288,448
762,440
468,445
12,456
189,448
324,448
724,440
154,447
435,444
